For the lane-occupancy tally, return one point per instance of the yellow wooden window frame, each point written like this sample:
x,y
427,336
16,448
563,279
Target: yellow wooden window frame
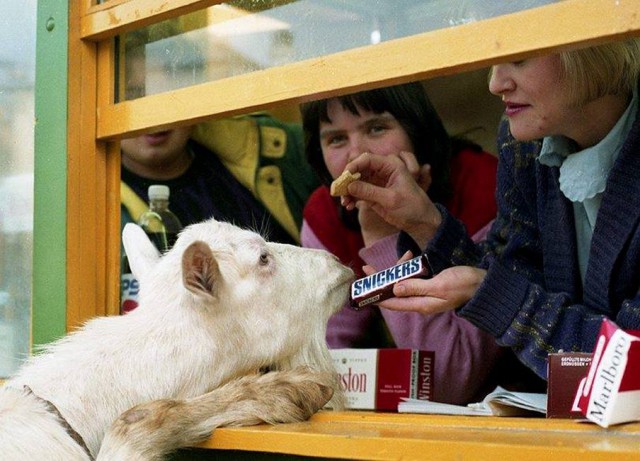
x,y
94,120
92,275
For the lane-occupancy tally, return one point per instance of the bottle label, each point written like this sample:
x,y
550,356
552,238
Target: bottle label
x,y
129,295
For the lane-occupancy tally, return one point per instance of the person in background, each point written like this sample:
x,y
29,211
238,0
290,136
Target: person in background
x,y
564,250
247,170
400,122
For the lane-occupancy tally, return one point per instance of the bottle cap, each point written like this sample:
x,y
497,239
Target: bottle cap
x,y
158,192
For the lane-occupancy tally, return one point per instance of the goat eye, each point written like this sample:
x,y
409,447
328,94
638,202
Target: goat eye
x,y
264,259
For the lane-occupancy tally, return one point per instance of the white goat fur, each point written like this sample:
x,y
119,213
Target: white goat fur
x,y
221,305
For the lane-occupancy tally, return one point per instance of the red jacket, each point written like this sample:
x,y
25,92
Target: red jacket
x,y
473,180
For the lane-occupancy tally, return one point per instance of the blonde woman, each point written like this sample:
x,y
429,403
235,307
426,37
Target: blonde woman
x,y
564,251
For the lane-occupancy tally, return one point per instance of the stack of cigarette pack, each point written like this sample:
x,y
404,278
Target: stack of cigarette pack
x,y
377,379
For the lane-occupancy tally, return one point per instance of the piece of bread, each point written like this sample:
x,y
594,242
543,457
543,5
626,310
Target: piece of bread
x,y
340,184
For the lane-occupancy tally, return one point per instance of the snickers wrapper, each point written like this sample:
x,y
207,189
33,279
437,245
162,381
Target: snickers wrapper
x,y
610,392
377,287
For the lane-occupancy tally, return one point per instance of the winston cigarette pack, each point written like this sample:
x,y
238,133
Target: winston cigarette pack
x,y
378,379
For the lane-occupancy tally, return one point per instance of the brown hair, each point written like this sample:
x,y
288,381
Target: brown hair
x,y
410,105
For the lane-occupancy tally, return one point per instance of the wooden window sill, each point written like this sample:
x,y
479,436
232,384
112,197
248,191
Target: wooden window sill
x,y
389,436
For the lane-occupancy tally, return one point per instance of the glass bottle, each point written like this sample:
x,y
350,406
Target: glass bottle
x,y
162,227
160,224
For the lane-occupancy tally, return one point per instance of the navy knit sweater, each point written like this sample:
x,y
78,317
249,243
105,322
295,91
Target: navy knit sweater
x,y
532,298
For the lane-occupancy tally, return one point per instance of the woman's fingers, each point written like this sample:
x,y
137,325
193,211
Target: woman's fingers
x,y
411,162
424,177
445,291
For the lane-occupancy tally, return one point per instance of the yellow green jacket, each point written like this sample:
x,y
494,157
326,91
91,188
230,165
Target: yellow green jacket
x,y
266,155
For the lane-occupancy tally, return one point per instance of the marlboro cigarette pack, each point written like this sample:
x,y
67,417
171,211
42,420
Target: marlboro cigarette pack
x,y
610,392
378,379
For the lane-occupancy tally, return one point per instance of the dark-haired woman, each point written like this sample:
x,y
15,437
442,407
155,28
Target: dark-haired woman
x,y
400,121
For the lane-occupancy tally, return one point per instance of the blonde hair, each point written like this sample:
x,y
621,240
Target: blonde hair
x,y
612,68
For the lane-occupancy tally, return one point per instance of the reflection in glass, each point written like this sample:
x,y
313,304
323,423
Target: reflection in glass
x,y
243,36
17,77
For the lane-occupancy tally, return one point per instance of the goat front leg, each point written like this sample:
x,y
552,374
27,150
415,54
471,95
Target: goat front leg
x,y
148,432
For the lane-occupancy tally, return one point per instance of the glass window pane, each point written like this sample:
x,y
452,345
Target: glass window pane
x,y
243,36
17,77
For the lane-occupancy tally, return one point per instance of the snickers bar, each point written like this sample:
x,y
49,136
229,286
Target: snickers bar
x,y
379,286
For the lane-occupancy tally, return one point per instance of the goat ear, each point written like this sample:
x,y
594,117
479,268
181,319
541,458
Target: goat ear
x,y
200,270
141,253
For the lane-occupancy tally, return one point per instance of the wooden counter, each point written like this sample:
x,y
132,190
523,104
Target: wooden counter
x,y
387,436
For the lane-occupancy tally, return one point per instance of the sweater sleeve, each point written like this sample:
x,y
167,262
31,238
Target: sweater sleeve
x,y
513,238
514,302
534,322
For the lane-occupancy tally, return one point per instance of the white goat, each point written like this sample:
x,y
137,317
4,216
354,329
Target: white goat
x,y
215,312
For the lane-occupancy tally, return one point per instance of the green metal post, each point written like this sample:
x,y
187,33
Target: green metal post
x,y
50,196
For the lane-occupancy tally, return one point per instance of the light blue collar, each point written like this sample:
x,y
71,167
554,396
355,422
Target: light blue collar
x,y
583,174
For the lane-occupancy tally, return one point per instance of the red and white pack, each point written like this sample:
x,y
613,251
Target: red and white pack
x,y
378,379
610,393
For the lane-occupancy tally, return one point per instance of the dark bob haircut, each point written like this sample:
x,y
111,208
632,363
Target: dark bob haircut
x,y
409,104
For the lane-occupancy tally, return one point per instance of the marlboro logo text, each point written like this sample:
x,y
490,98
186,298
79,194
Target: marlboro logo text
x,y
608,377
